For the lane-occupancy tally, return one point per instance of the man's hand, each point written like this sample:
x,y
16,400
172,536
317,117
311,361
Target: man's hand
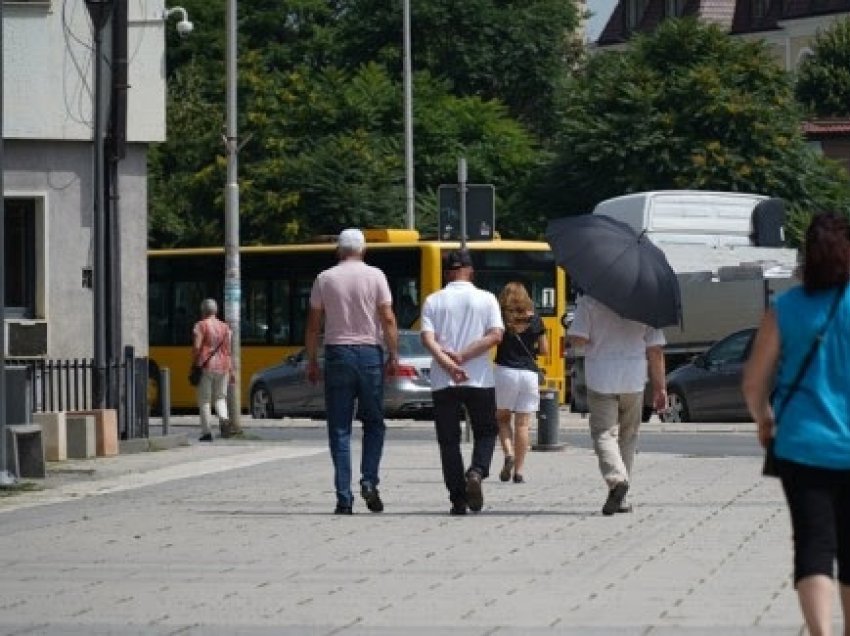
x,y
313,372
391,366
659,400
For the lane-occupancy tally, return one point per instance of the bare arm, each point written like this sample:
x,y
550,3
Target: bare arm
x,y
390,326
543,345
311,342
759,373
477,347
197,343
453,368
655,356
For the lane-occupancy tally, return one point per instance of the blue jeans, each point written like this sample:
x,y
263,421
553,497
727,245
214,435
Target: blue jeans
x,y
354,376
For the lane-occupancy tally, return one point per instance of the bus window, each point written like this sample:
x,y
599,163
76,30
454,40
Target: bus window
x,y
253,321
280,313
188,296
301,301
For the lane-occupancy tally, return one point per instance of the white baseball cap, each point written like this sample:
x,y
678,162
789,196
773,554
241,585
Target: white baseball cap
x,y
351,239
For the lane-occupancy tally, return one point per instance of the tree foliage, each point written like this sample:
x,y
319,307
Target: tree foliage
x,y
823,81
684,107
320,114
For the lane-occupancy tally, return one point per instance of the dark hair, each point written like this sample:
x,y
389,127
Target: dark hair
x,y
826,255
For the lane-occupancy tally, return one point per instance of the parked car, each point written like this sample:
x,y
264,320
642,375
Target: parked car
x,y
283,390
708,389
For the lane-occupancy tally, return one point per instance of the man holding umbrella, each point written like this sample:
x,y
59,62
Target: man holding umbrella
x,y
616,351
630,292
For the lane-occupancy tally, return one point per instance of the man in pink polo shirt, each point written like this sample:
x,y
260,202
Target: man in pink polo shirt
x,y
355,301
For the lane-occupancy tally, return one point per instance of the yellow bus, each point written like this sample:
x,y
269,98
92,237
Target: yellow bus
x,y
275,291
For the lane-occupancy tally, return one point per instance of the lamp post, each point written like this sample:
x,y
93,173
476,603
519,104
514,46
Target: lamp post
x,y
232,275
409,185
100,12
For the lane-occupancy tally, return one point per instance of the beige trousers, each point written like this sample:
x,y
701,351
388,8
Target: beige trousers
x,y
212,390
614,424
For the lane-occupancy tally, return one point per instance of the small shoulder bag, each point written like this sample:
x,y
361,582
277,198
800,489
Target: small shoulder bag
x,y
769,468
541,377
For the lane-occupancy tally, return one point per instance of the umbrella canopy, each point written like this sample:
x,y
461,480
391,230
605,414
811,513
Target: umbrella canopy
x,y
611,263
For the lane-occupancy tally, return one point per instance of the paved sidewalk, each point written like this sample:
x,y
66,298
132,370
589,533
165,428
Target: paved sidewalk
x,y
237,538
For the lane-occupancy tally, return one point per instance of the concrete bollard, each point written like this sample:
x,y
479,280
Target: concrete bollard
x,y
82,440
548,422
54,434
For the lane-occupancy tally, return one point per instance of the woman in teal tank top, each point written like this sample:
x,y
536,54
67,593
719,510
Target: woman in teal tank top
x,y
810,422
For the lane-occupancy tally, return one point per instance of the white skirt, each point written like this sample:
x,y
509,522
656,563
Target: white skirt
x,y
517,390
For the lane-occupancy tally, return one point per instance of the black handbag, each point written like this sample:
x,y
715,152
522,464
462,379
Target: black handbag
x,y
769,468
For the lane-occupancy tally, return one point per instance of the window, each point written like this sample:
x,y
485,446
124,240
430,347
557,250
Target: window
x,y
673,8
634,13
20,258
759,8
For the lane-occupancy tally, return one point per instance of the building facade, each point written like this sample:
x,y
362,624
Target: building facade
x,y
788,26
48,167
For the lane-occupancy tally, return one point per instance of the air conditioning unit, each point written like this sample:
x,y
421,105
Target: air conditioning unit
x,y
26,338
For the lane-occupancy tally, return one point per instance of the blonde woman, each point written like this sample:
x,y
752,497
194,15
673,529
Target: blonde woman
x,y
517,380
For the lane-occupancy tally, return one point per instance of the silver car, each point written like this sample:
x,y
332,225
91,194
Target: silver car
x,y
284,390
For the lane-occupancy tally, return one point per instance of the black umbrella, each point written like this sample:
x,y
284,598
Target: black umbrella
x,y
617,267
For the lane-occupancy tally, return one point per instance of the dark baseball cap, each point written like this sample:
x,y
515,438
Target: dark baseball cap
x,y
457,259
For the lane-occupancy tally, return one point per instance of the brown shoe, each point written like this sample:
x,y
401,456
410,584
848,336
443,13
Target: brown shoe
x,y
505,474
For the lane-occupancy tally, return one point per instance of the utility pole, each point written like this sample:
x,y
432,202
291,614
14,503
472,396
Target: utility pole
x,y
6,478
232,276
409,185
461,190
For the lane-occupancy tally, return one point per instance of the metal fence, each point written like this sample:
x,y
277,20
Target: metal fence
x,y
67,385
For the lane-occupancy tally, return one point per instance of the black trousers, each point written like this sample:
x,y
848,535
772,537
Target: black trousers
x,y
819,502
480,403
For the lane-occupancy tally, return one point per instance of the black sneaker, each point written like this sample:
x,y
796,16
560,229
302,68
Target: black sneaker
x,y
474,496
372,497
207,437
458,508
505,474
615,498
343,510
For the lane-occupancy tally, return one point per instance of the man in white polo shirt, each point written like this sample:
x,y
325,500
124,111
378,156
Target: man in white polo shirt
x,y
616,351
460,324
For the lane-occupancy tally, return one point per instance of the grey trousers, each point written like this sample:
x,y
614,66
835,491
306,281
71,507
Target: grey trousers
x,y
614,424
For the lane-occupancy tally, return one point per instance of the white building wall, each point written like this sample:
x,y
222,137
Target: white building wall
x,y
48,71
48,157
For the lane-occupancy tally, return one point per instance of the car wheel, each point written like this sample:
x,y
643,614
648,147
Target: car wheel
x,y
677,408
261,403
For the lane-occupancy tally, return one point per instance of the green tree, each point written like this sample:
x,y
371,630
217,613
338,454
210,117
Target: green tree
x,y
516,51
823,79
685,107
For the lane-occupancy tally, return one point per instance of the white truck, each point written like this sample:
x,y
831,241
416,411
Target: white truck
x,y
728,252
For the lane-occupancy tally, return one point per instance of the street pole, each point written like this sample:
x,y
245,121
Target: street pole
x,y
6,478
410,186
461,190
232,283
99,12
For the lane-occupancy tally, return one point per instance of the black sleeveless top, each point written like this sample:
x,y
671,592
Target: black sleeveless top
x,y
514,354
